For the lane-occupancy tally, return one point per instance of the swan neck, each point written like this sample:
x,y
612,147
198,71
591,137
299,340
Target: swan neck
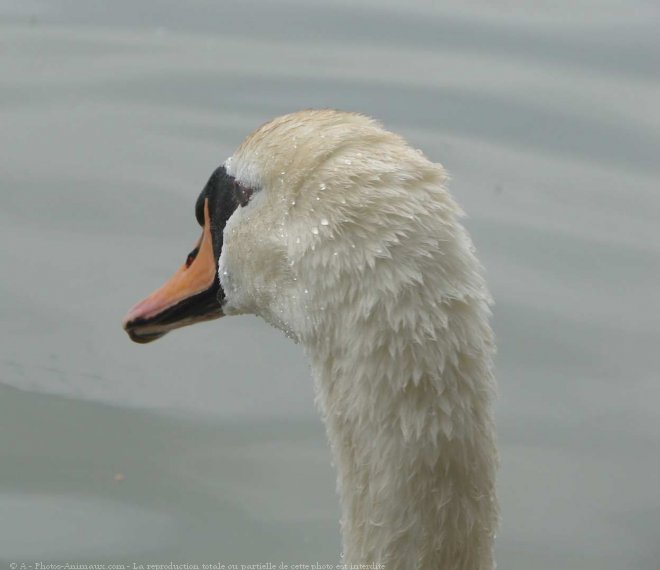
x,y
409,422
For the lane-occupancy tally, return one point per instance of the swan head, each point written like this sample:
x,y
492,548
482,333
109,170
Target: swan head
x,y
296,222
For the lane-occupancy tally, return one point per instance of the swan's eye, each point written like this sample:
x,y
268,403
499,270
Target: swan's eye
x,y
191,256
242,193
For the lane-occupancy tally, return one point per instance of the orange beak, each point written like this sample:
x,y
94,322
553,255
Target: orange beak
x,y
190,295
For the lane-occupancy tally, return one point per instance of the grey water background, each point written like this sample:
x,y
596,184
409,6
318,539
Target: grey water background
x,y
206,445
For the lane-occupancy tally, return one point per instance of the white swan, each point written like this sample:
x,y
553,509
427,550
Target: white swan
x,y
340,234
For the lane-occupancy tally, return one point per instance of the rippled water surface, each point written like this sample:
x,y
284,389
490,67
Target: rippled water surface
x,y
205,446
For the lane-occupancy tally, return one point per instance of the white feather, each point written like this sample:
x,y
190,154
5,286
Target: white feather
x,y
353,247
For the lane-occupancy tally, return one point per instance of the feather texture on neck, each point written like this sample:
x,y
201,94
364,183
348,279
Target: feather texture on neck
x,y
362,259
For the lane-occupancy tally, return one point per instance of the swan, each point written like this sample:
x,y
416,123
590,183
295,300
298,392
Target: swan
x,y
344,237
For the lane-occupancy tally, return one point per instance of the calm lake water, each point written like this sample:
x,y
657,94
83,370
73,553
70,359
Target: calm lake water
x,y
206,446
